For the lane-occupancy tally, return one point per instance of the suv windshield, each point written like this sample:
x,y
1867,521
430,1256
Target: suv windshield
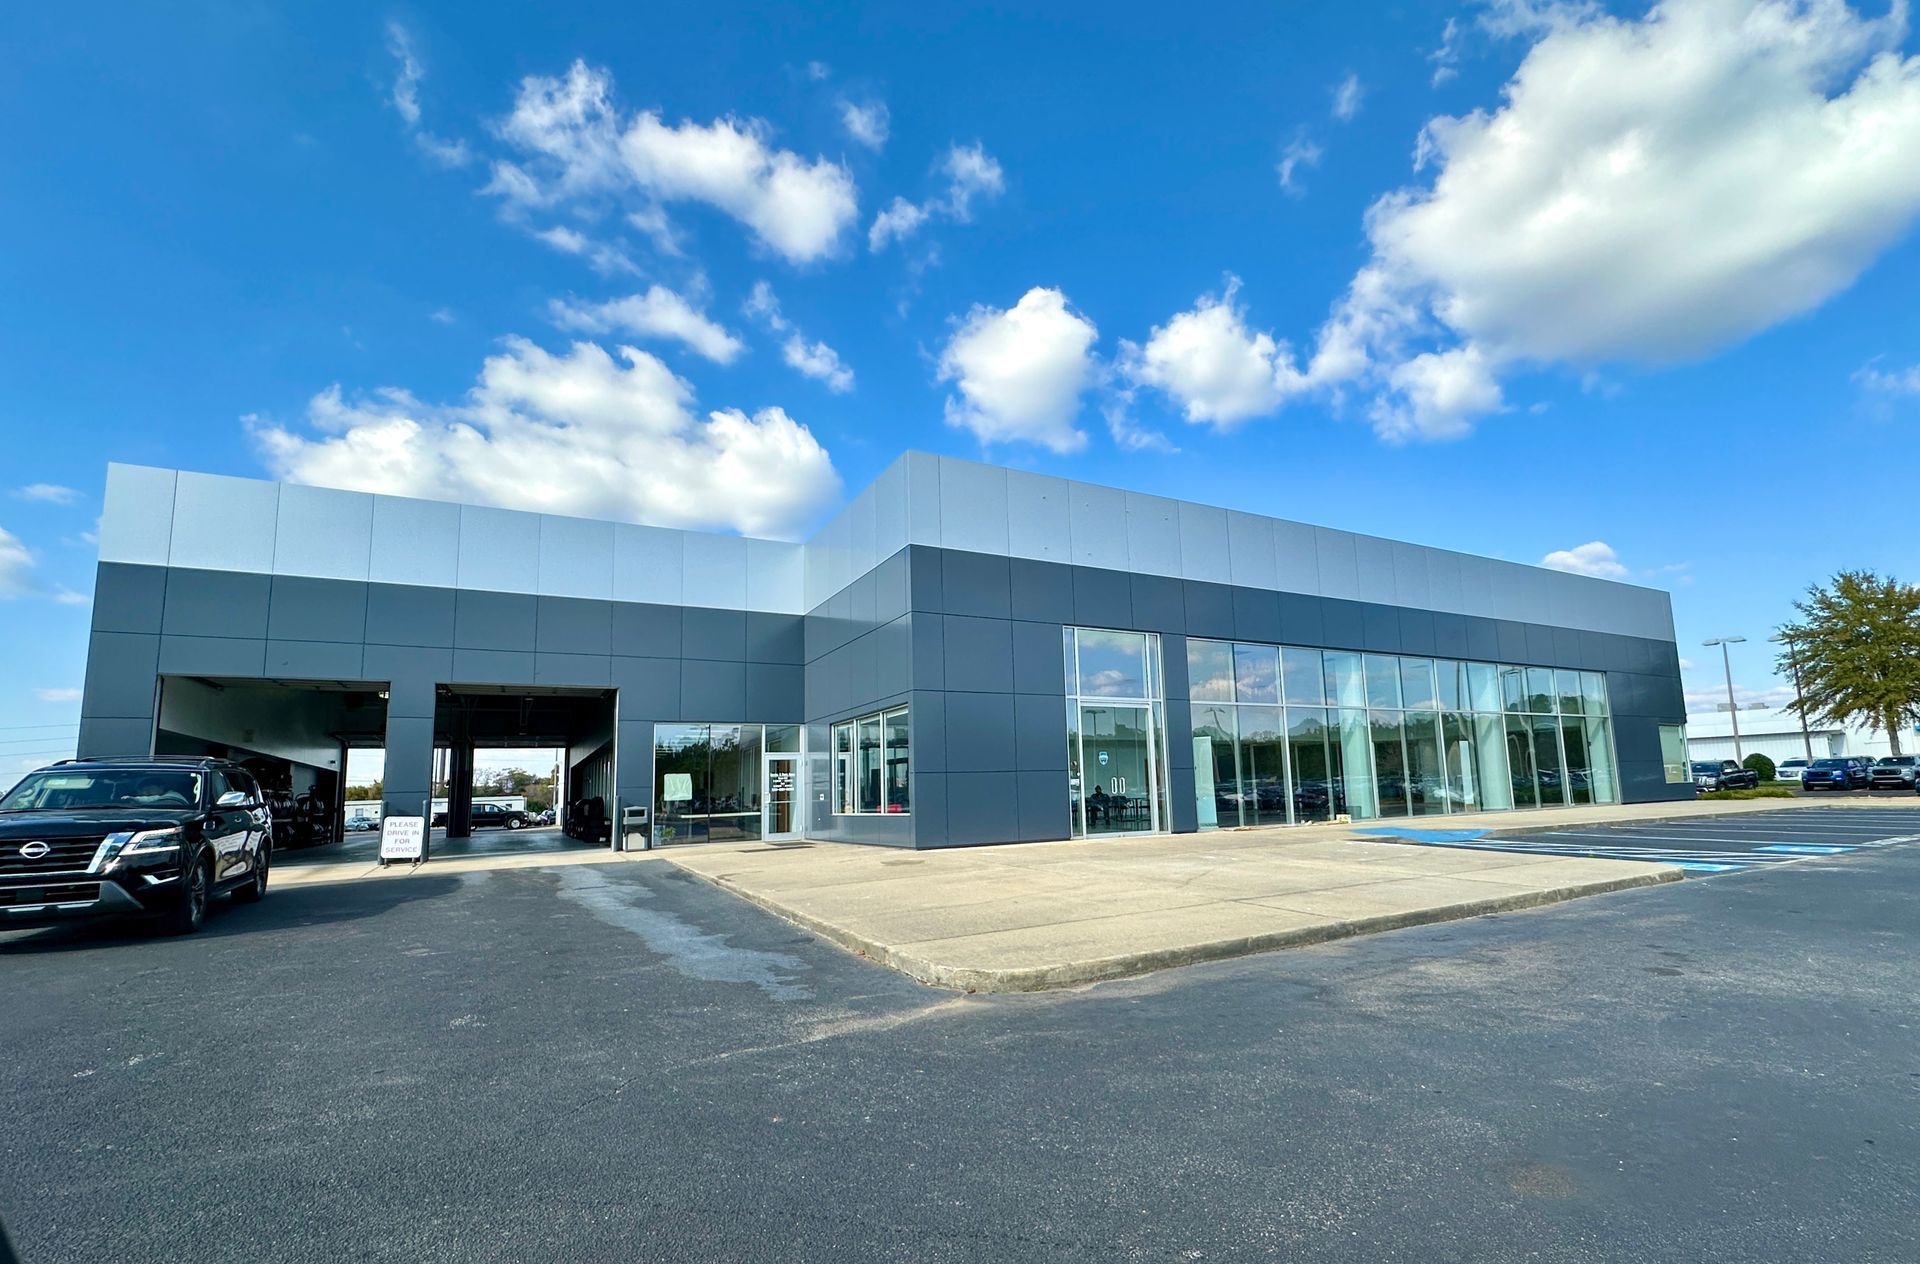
x,y
1897,761
1829,763
133,788
1698,767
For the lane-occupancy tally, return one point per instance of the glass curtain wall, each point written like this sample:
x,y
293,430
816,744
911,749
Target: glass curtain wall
x,y
1289,735
1116,734
707,782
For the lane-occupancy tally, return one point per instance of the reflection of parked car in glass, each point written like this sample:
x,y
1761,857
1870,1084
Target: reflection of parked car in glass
x,y
131,838
1723,775
1789,770
1895,772
1834,774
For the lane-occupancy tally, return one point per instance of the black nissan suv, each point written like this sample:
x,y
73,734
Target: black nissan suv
x,y
153,837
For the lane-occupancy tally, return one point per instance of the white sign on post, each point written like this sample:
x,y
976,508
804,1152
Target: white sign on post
x,y
402,838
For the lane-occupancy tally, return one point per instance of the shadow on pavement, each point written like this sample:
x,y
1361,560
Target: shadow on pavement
x,y
295,906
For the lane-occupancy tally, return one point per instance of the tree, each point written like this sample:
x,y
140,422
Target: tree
x,y
1857,648
358,794
1760,764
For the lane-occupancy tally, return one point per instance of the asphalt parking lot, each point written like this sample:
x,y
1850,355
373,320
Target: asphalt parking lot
x,y
1701,846
622,1062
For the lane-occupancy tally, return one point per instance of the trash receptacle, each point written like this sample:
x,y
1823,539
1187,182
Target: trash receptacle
x,y
633,829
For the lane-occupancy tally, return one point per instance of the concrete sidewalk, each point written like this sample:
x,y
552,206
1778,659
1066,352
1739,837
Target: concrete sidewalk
x,y
1031,916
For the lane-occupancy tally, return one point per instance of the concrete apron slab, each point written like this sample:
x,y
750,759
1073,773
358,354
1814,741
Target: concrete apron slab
x,y
295,875
1033,916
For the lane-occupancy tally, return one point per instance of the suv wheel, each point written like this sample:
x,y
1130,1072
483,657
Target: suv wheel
x,y
190,914
516,822
256,888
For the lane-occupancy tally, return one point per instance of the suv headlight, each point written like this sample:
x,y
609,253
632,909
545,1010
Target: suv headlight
x,y
154,842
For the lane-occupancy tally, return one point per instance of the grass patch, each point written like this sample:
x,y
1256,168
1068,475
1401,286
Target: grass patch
x,y
1777,790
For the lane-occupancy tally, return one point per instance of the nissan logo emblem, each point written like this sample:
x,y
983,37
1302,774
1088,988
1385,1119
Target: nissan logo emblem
x,y
34,850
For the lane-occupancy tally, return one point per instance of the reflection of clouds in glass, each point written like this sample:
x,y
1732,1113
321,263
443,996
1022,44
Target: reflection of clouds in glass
x,y
1218,686
1112,682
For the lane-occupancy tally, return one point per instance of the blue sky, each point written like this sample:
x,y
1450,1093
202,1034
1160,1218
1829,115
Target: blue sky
x,y
1513,279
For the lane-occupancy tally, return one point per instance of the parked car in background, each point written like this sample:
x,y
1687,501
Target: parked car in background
x,y
1724,775
153,837
1895,772
546,816
358,824
1835,774
1790,770
491,815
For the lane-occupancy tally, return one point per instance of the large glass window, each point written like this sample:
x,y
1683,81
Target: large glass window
x,y
707,782
1284,734
1673,753
872,765
1116,730
1209,670
1303,678
1256,673
1112,664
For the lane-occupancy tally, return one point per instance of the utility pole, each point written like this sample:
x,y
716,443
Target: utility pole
x,y
1733,708
1799,707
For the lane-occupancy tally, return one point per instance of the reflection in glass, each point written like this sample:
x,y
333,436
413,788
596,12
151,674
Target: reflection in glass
x,y
1540,690
1462,767
1599,746
1312,775
1209,670
1426,774
1416,684
1216,771
867,763
707,782
1303,678
1117,758
1383,682
1490,747
1356,761
1567,685
1389,762
1483,687
898,777
1547,765
1074,782
1256,673
1579,770
1451,684
1263,765
1513,690
1526,793
1113,664
1593,691
1345,685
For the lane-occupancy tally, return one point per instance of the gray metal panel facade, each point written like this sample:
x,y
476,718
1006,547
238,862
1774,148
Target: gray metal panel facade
x,y
943,586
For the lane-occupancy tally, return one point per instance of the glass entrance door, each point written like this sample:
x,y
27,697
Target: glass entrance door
x,y
779,796
1119,770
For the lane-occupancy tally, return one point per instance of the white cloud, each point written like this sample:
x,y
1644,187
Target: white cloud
x,y
1650,191
899,220
1712,699
405,99
971,173
1446,58
659,313
57,695
1128,434
68,597
818,71
1207,361
16,560
812,359
1347,95
602,257
579,147
47,493
1595,558
1879,381
869,124
818,361
442,316
1299,153
1020,372
577,433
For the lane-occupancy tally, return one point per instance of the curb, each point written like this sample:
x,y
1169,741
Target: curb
x,y
1040,978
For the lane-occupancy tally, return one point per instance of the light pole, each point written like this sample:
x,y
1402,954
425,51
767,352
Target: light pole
x,y
1799,704
1733,708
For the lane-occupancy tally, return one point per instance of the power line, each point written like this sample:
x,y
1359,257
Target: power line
x,y
16,728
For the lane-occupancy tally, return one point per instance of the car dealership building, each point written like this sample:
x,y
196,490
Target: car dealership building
x,y
964,654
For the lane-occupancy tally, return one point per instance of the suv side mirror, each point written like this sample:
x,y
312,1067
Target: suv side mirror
x,y
232,799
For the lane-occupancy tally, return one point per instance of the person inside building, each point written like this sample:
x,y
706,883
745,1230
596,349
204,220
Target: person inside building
x,y
1097,807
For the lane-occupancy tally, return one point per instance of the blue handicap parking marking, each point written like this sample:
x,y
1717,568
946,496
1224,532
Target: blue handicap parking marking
x,y
1806,849
1701,866
1429,835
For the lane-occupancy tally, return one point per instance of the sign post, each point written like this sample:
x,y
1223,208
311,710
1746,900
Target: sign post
x,y
403,838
